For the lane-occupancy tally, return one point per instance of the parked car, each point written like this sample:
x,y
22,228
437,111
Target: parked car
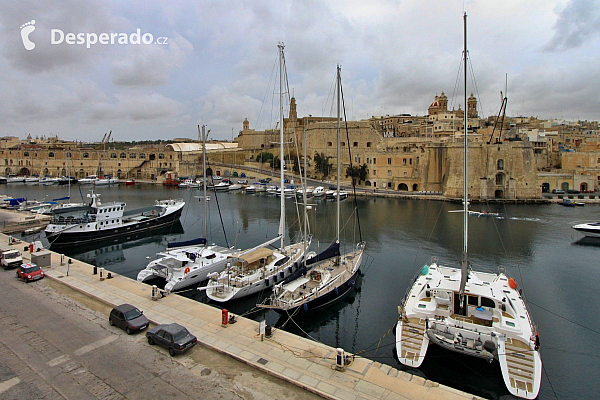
x,y
243,181
573,191
558,191
174,337
29,272
128,317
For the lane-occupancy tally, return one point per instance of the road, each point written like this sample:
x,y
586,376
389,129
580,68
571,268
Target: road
x,y
56,343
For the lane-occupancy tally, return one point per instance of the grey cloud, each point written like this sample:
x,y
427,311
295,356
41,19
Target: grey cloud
x,y
577,23
150,65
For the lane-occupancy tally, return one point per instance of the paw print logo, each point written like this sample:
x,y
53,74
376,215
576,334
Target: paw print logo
x,y
26,29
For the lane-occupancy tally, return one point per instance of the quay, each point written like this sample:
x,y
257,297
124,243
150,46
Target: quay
x,y
302,362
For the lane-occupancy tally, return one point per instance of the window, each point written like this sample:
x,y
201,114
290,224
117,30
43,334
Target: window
x,y
329,144
374,172
500,165
85,155
410,161
404,161
161,156
355,144
69,154
113,155
142,155
374,161
132,155
368,144
25,154
343,144
473,300
389,172
486,302
122,155
499,179
50,154
389,161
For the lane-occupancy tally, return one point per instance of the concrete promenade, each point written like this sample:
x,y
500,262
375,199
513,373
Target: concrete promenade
x,y
300,361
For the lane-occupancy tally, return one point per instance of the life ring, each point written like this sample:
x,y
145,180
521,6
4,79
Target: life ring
x,y
153,214
187,270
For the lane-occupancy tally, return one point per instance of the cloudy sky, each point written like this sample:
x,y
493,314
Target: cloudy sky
x,y
216,65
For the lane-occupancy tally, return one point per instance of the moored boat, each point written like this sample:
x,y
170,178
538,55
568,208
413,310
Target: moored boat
x,y
98,221
476,313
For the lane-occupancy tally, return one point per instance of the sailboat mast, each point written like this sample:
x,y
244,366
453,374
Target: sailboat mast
x,y
465,260
466,146
337,221
204,178
282,215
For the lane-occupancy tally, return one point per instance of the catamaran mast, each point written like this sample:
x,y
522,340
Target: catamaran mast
x,y
338,88
281,162
464,258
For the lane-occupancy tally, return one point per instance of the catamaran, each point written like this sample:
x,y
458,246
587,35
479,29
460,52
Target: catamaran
x,y
481,314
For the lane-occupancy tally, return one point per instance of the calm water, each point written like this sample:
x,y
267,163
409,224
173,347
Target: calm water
x,y
558,271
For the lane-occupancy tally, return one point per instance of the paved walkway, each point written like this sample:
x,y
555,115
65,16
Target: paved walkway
x,y
300,361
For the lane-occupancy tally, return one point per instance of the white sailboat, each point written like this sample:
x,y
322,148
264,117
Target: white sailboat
x,y
332,276
259,268
184,264
474,313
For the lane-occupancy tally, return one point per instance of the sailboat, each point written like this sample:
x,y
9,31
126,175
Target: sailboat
x,y
332,276
261,267
184,264
474,313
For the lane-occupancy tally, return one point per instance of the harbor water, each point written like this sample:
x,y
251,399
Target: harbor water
x,y
555,267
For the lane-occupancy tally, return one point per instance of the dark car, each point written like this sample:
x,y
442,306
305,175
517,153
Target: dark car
x,y
129,318
29,272
174,337
573,191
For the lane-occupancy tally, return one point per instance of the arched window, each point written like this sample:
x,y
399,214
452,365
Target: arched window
x,y
499,179
142,155
25,154
161,156
85,155
329,144
122,155
50,154
69,154
355,144
132,155
113,155
500,165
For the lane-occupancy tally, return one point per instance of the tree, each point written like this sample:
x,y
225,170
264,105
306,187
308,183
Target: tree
x,y
322,164
264,156
357,172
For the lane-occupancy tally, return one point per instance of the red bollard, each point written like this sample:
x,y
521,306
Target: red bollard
x,y
31,247
224,317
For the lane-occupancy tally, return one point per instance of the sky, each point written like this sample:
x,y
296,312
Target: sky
x,y
212,62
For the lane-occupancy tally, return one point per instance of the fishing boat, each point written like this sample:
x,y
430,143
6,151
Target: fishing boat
x,y
332,276
187,263
260,267
481,314
99,221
